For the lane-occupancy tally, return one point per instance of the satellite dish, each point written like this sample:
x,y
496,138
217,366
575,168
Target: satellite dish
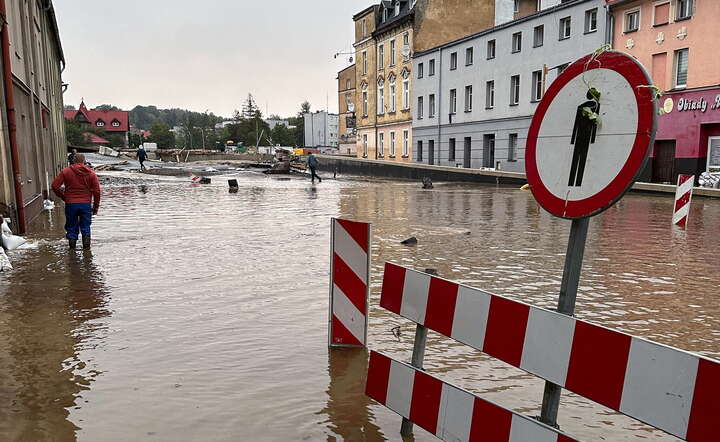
x,y
406,51
351,107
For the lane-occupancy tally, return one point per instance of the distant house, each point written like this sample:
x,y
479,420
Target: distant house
x,y
94,139
112,122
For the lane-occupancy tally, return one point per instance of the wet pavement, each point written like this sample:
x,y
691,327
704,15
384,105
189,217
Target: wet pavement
x,y
201,315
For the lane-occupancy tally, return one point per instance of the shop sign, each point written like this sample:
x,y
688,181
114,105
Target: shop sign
x,y
686,104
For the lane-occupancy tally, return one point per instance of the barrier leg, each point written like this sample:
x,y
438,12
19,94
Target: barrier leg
x,y
566,306
421,332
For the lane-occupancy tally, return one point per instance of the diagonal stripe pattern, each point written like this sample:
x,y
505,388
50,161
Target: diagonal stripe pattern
x,y
683,196
670,389
349,283
448,412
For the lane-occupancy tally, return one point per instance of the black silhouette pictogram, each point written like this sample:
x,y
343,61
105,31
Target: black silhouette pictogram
x,y
583,136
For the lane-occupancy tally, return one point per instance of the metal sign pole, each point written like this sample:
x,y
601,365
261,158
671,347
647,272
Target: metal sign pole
x,y
421,332
566,306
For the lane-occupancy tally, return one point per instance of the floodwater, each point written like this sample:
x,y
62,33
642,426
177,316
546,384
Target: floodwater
x,y
201,315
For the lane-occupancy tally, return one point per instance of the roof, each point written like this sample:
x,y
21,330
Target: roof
x,y
94,139
106,116
56,32
407,11
365,11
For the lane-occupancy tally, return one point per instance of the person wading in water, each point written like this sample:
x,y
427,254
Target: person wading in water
x,y
142,156
313,164
82,199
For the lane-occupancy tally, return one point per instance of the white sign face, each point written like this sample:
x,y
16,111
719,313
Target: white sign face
x,y
576,168
590,135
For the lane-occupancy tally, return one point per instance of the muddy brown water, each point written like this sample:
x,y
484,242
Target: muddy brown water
x,y
201,315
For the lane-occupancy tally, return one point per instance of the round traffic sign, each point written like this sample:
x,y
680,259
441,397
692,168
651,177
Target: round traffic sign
x,y
590,135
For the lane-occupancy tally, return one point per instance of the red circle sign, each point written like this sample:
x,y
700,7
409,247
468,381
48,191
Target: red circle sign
x,y
590,135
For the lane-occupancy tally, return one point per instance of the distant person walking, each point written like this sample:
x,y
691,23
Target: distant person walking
x,y
142,156
71,157
81,194
313,164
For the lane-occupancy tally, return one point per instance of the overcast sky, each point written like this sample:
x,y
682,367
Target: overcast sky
x,y
205,54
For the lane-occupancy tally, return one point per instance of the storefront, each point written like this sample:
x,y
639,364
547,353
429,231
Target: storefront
x,y
688,136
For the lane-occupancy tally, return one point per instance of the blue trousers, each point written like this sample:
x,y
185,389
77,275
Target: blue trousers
x,y
78,217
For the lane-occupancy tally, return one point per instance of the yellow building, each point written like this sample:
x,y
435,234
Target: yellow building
x,y
32,126
346,110
365,79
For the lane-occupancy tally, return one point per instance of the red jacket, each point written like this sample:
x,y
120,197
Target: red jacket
x,y
81,185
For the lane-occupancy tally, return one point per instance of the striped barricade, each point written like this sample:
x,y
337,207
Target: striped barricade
x,y
349,282
683,196
448,412
667,388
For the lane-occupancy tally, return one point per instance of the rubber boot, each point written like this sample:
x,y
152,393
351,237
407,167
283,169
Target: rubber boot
x,y
86,242
72,243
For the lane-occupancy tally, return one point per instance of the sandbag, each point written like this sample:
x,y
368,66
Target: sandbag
x,y
12,242
4,261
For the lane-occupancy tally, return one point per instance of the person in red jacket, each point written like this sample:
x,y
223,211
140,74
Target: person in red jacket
x,y
82,199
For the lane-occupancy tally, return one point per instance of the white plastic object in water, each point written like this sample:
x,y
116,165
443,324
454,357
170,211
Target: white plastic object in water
x,y
4,261
5,230
12,242
48,205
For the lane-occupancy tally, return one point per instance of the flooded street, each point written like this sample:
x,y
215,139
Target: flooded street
x,y
201,315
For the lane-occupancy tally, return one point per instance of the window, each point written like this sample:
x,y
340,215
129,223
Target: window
x,y
565,28
385,15
420,108
365,145
406,141
453,101
538,36
632,20
431,104
115,124
661,14
517,42
381,100
468,56
365,103
451,150
514,90
468,98
364,62
489,94
392,52
381,144
512,147
406,46
537,87
681,68
392,143
397,8
420,70
364,27
431,67
491,49
381,57
453,61
683,9
347,84
591,21
562,67
100,123
516,6
419,150
406,94
393,100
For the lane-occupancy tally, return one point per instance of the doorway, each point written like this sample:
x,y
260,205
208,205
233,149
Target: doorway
x,y
663,170
431,152
489,151
466,152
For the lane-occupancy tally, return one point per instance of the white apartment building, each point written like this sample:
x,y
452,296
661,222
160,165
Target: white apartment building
x,y
321,129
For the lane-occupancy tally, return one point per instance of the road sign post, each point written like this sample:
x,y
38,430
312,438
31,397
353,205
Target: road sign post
x,y
588,141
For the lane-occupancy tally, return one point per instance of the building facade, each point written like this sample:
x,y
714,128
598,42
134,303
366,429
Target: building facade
x,y
112,122
32,130
474,98
675,41
321,129
365,69
346,110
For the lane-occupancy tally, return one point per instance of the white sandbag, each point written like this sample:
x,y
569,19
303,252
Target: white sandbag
x,y
12,242
4,261
6,228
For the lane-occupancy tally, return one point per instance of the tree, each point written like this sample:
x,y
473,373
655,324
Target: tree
x,y
107,107
160,134
74,133
249,109
135,140
116,140
281,135
299,123
69,107
304,108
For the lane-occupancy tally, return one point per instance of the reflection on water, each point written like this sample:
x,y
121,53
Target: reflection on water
x,y
219,306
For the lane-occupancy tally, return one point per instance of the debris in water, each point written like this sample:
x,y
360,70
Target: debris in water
x,y
427,183
4,261
48,205
409,241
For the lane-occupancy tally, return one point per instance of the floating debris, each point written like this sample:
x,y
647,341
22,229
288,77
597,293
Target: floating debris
x,y
410,241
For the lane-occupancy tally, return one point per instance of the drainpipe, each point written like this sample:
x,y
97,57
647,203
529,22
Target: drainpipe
x,y
12,124
438,104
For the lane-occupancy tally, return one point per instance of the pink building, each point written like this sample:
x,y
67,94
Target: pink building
x,y
676,41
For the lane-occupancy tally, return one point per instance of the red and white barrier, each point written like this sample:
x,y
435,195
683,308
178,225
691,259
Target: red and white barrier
x,y
349,283
683,195
448,412
670,389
